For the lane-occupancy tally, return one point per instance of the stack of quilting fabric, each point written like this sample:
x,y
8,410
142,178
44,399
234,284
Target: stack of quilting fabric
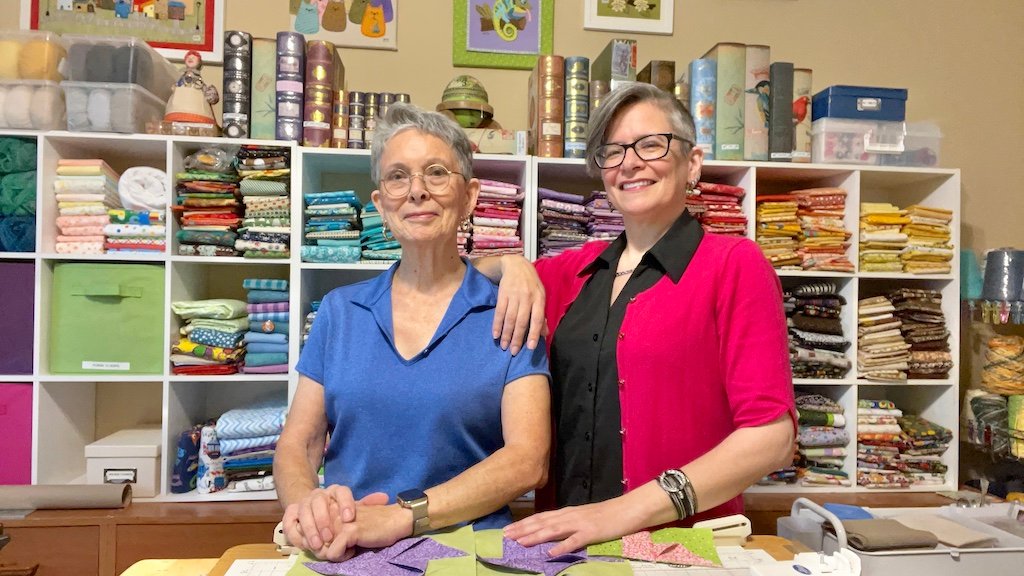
x,y
207,205
496,220
377,244
924,330
928,250
211,341
882,353
879,438
882,239
605,221
140,225
266,342
563,221
85,190
307,325
17,195
822,440
248,438
331,232
921,452
817,344
266,229
717,208
825,238
778,230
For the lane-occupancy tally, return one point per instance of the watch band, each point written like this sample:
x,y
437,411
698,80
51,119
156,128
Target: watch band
x,y
416,500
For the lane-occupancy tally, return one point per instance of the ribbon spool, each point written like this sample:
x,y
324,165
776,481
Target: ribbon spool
x,y
1004,275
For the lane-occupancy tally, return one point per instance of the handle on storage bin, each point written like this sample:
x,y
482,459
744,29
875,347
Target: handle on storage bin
x,y
107,289
813,507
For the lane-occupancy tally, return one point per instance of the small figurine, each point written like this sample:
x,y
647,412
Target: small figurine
x,y
192,100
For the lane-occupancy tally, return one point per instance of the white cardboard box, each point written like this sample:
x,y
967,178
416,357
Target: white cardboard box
x,y
130,456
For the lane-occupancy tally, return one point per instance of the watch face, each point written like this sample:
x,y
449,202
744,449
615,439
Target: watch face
x,y
411,495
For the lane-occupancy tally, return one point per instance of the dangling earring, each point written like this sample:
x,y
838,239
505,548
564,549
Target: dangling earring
x,y
692,184
466,225
384,232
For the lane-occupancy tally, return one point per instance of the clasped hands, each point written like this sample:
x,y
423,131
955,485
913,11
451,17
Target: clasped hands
x,y
329,523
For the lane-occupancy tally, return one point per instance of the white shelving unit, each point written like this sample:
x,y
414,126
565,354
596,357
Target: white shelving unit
x,y
70,411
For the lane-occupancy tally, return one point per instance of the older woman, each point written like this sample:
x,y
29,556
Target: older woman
x,y
422,407
669,363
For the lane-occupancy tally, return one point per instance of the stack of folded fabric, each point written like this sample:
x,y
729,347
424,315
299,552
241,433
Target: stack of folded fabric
x,y
307,325
248,438
782,476
924,329
879,438
881,237
882,353
211,341
563,221
496,220
817,344
605,221
207,204
924,443
822,441
377,244
331,232
717,208
929,250
778,230
139,226
825,238
266,342
17,195
266,229
86,190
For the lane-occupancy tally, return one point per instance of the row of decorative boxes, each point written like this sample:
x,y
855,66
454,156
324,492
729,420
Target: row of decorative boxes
x,y
83,83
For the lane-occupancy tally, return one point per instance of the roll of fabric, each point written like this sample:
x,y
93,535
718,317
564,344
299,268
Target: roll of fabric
x,y
17,233
60,496
18,194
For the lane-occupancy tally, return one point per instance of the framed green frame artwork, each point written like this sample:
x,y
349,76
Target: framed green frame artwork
x,y
501,33
643,16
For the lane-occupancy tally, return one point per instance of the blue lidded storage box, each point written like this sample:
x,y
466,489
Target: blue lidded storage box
x,y
860,103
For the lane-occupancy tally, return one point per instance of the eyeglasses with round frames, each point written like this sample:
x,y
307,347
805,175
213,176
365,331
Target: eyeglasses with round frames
x,y
650,147
436,179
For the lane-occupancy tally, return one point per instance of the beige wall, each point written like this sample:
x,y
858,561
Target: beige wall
x,y
962,61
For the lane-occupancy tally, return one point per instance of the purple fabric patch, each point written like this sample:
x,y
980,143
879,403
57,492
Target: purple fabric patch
x,y
535,558
407,557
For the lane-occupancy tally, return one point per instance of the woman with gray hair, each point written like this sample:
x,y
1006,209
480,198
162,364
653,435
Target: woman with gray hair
x,y
670,372
422,408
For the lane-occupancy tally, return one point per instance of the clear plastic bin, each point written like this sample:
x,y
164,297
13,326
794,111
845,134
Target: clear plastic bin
x,y
110,107
842,141
31,105
119,60
920,147
30,55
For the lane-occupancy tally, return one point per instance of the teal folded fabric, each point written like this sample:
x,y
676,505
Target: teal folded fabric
x,y
266,358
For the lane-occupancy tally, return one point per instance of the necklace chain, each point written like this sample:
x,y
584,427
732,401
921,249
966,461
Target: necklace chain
x,y
624,272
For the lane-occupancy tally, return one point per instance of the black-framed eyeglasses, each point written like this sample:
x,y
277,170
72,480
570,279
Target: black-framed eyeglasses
x,y
436,179
650,147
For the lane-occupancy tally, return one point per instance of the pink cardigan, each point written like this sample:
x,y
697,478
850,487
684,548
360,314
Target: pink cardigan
x,y
696,360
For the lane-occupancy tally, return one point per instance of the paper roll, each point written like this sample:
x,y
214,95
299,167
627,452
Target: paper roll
x,y
53,496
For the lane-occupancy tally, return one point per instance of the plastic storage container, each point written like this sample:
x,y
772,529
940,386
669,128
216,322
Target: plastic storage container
x,y
841,141
119,60
16,430
110,107
860,103
130,456
31,105
920,147
30,55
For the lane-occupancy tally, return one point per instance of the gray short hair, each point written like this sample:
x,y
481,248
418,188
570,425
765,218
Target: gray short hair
x,y
625,95
402,116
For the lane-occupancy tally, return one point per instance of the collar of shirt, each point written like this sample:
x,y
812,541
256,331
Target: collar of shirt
x,y
671,254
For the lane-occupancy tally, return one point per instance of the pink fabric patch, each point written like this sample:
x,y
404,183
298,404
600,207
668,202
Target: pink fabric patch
x,y
639,546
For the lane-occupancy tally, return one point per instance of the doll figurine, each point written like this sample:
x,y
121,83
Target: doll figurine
x,y
192,100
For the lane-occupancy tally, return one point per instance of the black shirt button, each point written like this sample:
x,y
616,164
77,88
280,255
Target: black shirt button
x,y
590,386
595,337
586,485
587,436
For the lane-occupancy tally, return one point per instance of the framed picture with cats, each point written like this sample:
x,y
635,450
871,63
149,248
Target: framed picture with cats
x,y
173,27
350,23
502,33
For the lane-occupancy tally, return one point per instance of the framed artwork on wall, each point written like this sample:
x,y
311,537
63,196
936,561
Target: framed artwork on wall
x,y
349,23
643,16
501,33
172,27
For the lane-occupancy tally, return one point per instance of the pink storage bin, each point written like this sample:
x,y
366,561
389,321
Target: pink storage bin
x,y
16,430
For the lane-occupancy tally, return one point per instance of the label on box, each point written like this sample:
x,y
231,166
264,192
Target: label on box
x,y
89,365
730,147
869,104
120,476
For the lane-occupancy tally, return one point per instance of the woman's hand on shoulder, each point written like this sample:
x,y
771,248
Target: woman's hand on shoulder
x,y
519,315
576,526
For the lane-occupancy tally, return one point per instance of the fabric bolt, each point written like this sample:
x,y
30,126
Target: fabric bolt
x,y
886,534
268,327
268,307
216,338
822,436
216,308
263,337
269,369
264,348
230,446
266,358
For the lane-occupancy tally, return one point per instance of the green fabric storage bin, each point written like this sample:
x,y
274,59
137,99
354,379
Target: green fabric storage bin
x,y
107,319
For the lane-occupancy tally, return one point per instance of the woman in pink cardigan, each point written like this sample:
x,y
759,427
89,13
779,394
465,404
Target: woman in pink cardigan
x,y
668,354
